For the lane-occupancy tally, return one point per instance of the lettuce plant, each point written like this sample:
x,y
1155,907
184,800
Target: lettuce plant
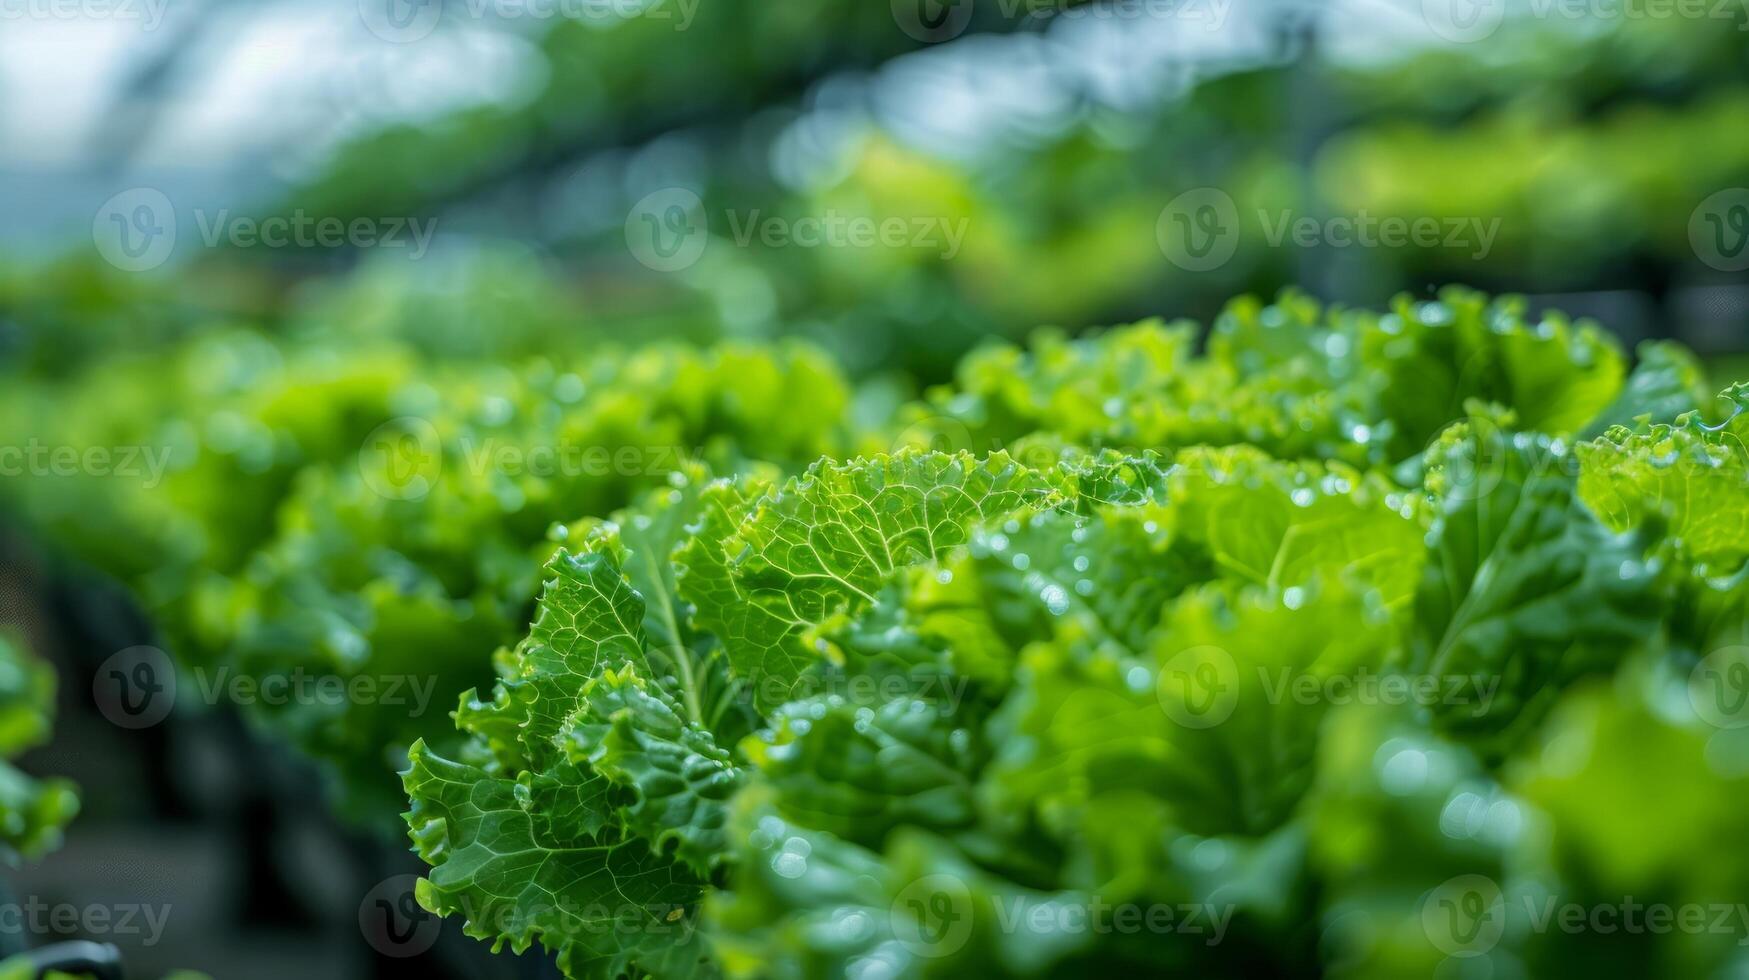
x,y
360,525
198,442
33,812
400,567
1235,662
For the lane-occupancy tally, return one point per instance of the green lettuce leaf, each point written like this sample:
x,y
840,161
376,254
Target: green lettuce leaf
x,y
1669,381
33,812
637,737
1295,380
535,858
423,551
1691,474
821,546
1525,588
1432,358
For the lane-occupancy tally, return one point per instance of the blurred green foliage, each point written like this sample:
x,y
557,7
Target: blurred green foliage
x,y
32,811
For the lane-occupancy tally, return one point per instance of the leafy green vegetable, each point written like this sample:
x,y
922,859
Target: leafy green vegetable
x,y
32,811
1299,381
1286,645
607,728
1340,640
1688,472
821,546
185,453
356,522
369,579
847,547
1528,588
1668,382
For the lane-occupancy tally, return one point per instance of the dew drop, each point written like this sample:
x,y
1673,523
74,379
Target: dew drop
x,y
1056,600
788,865
1463,816
1139,678
568,388
1210,855
1405,772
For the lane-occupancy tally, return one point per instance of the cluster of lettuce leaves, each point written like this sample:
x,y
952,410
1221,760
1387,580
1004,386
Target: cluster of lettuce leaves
x,y
350,527
1075,675
1086,633
32,811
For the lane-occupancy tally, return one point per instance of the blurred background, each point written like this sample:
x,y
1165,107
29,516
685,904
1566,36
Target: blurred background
x,y
459,182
